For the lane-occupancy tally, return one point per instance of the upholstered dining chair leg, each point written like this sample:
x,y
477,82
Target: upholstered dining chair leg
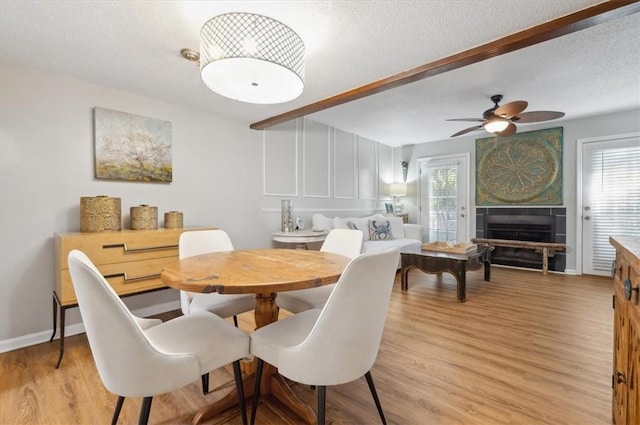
x,y
205,384
256,390
144,411
237,374
116,412
372,388
235,320
322,397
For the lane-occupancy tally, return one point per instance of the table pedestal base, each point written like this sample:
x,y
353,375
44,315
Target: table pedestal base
x,y
272,384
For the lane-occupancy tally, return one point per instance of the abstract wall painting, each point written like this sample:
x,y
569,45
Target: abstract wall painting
x,y
522,169
132,147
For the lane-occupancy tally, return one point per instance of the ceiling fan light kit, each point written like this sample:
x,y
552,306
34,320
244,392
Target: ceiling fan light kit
x,y
496,124
251,58
500,120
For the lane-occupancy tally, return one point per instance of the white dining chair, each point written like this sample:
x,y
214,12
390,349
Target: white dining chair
x,y
339,343
133,362
198,242
345,242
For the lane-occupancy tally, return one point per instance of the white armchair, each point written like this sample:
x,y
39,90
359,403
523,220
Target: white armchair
x,y
339,241
198,242
133,362
339,343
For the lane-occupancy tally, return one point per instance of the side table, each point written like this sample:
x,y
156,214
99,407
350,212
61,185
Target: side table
x,y
300,237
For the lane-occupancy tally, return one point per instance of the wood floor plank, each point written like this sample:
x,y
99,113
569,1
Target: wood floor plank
x,y
524,349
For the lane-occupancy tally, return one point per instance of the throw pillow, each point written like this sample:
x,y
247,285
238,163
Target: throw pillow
x,y
380,230
344,223
340,223
361,224
397,227
321,222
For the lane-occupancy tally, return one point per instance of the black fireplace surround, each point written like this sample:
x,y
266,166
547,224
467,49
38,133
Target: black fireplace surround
x,y
523,224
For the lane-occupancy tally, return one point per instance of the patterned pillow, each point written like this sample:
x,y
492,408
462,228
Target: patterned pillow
x,y
380,230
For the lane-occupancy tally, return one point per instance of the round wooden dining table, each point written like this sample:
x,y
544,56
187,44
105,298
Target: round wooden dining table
x,y
263,272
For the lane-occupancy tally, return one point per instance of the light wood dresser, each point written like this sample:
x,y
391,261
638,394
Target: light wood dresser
x,y
626,331
130,260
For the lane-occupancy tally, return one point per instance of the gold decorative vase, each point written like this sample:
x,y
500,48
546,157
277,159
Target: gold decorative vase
x,y
144,217
173,220
100,214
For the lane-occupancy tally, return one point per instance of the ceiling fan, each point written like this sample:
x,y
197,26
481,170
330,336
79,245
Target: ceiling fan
x,y
500,120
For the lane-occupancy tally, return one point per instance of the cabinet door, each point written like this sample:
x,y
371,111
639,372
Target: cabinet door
x,y
620,355
633,374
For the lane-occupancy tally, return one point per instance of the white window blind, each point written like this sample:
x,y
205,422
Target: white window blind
x,y
616,200
443,199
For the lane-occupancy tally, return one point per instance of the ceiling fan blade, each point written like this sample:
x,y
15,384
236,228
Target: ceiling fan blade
x,y
467,119
467,130
511,109
536,116
511,129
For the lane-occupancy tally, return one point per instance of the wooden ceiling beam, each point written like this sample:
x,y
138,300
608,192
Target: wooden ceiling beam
x,y
582,19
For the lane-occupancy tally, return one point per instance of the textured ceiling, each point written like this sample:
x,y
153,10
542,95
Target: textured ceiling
x,y
134,46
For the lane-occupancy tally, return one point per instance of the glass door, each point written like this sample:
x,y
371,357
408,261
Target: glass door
x,y
444,198
610,198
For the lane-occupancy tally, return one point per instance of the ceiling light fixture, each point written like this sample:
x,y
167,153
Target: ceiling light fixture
x,y
251,58
496,124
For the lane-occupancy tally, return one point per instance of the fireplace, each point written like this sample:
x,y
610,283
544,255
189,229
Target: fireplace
x,y
523,224
519,228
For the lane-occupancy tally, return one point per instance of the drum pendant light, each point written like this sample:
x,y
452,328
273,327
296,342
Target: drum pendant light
x,y
251,58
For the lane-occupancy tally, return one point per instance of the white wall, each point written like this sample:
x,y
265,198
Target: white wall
x,y
47,164
597,126
341,189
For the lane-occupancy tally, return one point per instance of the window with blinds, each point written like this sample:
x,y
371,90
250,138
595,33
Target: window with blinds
x,y
616,200
443,200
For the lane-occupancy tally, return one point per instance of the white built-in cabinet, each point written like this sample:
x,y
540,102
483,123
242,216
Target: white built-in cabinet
x,y
333,163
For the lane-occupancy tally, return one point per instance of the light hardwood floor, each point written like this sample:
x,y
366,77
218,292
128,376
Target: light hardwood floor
x,y
524,349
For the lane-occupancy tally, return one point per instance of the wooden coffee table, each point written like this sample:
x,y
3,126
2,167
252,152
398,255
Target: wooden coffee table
x,y
456,264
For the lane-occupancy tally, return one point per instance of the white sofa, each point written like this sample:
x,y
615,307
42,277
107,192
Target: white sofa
x,y
407,237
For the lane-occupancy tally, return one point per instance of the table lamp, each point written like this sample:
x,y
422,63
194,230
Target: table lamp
x,y
397,190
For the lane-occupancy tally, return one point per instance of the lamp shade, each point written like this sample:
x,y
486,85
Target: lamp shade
x,y
251,58
398,189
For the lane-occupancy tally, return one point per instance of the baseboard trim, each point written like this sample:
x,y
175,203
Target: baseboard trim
x,y
76,328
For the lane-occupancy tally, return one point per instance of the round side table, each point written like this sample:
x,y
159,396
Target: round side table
x,y
300,237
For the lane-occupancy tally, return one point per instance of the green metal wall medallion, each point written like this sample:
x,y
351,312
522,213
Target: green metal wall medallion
x,y
523,169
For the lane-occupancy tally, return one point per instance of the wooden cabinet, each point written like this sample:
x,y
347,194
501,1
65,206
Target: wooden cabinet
x,y
131,260
626,345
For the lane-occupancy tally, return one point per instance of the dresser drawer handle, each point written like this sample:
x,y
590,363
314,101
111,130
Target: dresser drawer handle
x,y
143,249
132,279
